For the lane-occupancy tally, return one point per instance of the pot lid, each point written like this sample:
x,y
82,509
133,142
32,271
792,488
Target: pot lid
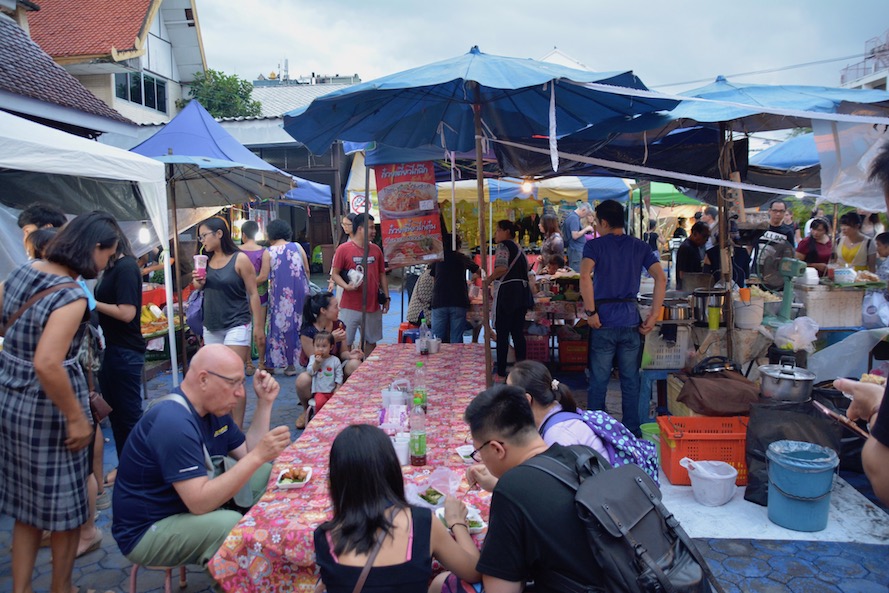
x,y
786,371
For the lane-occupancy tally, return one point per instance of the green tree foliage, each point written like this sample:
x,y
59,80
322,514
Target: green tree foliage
x,y
223,95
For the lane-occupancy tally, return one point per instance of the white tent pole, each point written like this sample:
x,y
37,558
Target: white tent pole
x,y
453,203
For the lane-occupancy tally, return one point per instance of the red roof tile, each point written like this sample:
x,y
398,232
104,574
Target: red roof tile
x,y
27,70
67,28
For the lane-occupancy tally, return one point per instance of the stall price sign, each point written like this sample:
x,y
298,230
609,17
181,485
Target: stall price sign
x,y
408,201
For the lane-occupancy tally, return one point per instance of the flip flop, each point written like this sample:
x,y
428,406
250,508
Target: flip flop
x,y
94,545
110,477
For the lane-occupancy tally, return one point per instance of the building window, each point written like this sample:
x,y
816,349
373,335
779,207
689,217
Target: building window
x,y
142,89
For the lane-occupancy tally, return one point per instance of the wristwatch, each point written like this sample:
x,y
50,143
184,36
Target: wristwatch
x,y
590,313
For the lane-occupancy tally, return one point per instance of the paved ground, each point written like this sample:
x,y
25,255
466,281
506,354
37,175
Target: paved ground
x,y
741,565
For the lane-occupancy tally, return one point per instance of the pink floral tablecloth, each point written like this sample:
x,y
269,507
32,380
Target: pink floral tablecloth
x,y
271,549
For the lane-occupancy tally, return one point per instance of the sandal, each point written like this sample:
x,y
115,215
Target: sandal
x,y
290,371
250,369
301,421
93,545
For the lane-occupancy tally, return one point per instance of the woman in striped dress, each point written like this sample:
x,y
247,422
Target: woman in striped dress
x,y
45,422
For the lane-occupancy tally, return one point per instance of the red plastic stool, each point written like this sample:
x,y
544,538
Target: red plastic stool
x,y
409,336
168,579
405,325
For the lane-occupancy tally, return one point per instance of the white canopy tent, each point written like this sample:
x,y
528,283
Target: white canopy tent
x,y
41,164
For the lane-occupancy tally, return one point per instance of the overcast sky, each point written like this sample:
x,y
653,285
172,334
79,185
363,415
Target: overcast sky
x,y
663,42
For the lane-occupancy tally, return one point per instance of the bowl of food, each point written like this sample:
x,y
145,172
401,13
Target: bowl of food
x,y
473,519
294,477
465,453
432,495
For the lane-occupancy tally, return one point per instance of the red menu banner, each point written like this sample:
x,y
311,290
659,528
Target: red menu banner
x,y
409,220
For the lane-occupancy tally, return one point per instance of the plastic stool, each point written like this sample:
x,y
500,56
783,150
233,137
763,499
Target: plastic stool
x,y
405,325
410,336
168,579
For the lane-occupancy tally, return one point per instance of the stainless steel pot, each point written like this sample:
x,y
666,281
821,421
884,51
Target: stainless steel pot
x,y
675,308
786,382
704,298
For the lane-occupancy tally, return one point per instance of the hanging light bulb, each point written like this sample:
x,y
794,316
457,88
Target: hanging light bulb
x,y
800,195
144,235
527,186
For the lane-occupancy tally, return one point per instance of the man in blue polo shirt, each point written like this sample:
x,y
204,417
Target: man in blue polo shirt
x,y
167,510
610,273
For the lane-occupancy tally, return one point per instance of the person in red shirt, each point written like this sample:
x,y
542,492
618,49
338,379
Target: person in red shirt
x,y
817,248
347,260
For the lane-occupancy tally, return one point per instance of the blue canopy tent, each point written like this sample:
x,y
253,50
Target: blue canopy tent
x,y
794,153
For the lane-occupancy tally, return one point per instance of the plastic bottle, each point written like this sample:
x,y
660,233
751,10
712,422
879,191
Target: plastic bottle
x,y
420,386
425,337
418,433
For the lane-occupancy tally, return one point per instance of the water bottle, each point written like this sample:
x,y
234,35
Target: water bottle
x,y
425,337
420,386
418,433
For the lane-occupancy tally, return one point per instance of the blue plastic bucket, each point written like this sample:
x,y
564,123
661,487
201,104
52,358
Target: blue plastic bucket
x,y
800,481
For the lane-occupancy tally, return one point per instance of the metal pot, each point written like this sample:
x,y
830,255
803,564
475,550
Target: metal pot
x,y
704,298
786,382
675,308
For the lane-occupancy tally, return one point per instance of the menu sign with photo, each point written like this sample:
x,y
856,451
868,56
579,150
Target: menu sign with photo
x,y
409,219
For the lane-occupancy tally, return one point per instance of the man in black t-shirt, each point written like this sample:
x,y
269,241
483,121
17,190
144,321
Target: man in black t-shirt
x,y
534,533
689,257
776,221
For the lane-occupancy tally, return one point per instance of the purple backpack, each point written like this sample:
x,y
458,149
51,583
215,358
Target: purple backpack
x,y
194,312
621,445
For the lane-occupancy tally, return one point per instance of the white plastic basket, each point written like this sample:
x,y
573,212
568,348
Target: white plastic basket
x,y
659,354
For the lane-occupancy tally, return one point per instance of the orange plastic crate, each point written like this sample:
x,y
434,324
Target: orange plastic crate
x,y
702,439
573,354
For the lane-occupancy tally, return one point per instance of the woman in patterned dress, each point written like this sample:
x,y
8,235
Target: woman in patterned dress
x,y
288,287
45,421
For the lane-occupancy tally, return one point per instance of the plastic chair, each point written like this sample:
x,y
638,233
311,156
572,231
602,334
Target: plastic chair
x,y
168,579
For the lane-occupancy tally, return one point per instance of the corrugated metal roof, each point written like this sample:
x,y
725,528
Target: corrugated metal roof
x,y
278,100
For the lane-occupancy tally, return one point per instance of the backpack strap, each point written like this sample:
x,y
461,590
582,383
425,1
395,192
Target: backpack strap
x,y
175,397
31,301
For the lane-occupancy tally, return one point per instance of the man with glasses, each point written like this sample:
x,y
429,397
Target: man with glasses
x,y
776,221
533,533
168,509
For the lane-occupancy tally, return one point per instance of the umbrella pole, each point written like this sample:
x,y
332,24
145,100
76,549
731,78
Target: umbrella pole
x,y
366,255
725,255
486,297
176,263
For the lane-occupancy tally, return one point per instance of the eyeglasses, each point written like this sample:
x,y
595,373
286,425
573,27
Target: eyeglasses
x,y
233,382
202,235
475,453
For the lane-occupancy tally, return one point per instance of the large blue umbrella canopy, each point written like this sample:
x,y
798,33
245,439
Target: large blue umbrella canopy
x,y
432,105
794,153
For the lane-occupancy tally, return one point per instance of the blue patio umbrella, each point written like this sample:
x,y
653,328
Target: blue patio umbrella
x,y
433,105
453,103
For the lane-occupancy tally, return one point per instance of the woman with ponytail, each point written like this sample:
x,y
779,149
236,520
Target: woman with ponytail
x,y
321,313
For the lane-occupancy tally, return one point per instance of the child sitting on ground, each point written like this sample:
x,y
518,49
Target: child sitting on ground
x,y
326,372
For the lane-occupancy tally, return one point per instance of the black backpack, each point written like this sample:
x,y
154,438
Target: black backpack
x,y
639,544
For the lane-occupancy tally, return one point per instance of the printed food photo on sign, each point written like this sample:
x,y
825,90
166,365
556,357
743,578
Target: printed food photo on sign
x,y
409,241
408,198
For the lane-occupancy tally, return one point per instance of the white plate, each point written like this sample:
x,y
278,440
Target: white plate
x,y
472,514
465,452
294,485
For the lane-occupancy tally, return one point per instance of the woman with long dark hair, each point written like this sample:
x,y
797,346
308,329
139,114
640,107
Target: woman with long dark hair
x,y
512,295
289,275
231,300
553,244
816,249
259,257
44,401
321,313
370,514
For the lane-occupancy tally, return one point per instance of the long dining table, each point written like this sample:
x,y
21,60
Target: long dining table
x,y
271,548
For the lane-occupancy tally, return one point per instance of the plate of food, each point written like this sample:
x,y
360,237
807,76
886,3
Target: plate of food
x,y
408,198
294,477
465,453
473,519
